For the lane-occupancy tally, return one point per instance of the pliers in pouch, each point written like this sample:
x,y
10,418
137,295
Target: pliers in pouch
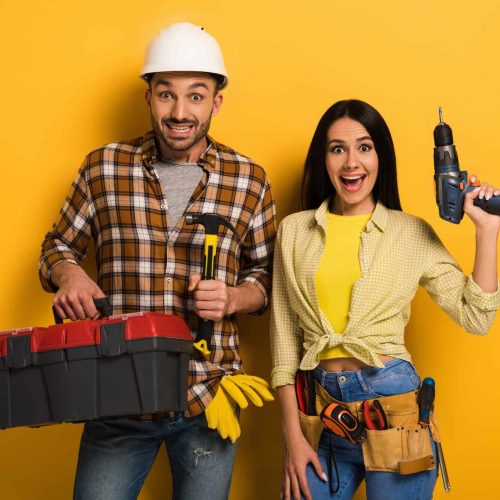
x,y
381,420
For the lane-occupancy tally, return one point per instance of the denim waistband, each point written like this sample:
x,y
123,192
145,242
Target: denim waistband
x,y
396,377
365,371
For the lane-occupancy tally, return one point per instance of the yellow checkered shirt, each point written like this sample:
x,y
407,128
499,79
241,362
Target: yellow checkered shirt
x,y
398,252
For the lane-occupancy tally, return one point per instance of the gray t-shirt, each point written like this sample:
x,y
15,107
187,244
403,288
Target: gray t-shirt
x,y
179,180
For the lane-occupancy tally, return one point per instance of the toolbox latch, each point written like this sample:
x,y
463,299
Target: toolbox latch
x,y
113,339
18,351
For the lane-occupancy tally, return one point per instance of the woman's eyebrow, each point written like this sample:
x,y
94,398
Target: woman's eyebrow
x,y
359,139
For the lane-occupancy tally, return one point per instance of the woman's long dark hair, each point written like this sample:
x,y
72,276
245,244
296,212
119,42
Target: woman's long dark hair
x,y
316,184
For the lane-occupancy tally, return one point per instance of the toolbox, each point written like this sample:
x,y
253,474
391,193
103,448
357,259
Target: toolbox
x,y
127,365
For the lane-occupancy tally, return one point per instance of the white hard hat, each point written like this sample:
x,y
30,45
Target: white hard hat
x,y
185,47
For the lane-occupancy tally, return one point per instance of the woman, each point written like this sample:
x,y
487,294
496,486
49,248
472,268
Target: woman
x,y
345,272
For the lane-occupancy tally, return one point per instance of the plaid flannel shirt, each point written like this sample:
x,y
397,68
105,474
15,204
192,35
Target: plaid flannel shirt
x,y
143,264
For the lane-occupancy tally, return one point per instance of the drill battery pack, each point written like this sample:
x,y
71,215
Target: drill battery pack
x,y
126,365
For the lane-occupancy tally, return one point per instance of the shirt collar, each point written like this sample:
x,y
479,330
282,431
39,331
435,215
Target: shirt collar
x,y
207,160
378,218
148,149
320,214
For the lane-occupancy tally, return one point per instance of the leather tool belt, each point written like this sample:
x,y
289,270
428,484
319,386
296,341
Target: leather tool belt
x,y
404,447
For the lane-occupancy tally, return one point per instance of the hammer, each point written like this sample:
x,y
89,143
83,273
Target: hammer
x,y
211,223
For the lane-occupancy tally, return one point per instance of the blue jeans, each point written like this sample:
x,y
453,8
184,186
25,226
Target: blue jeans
x,y
116,456
397,377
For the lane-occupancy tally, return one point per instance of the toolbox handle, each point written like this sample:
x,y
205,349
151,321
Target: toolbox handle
x,y
102,304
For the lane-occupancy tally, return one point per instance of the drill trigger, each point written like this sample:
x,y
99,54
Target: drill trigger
x,y
474,183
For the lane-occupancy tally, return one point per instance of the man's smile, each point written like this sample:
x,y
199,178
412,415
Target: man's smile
x,y
178,130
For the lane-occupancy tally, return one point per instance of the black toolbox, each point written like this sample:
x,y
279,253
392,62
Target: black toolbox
x,y
126,365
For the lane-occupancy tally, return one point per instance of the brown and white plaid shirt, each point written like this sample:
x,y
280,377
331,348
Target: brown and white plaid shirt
x,y
143,264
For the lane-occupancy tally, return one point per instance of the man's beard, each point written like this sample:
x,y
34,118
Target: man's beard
x,y
181,144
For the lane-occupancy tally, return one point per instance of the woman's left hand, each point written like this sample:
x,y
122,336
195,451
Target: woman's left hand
x,y
479,217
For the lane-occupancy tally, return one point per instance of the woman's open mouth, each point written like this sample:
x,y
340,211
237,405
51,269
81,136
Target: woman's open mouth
x,y
352,183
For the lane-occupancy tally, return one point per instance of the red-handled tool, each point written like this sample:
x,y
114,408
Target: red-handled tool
x,y
381,422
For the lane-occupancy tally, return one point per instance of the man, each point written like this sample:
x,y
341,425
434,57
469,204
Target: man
x,y
131,199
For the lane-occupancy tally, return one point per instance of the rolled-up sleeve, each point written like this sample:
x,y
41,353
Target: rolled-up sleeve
x,y
258,247
70,236
457,294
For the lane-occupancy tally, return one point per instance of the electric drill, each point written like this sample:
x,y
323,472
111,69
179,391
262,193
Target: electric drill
x,y
452,184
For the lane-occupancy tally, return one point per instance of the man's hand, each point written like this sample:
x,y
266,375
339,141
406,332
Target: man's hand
x,y
211,297
75,297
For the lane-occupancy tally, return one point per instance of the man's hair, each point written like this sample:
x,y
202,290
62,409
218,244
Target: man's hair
x,y
316,184
220,81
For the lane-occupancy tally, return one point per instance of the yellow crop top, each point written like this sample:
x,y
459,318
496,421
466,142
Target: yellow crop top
x,y
337,272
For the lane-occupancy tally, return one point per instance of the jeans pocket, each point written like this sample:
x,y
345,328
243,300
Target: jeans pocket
x,y
392,380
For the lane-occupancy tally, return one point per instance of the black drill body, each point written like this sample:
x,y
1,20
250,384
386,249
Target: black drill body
x,y
452,184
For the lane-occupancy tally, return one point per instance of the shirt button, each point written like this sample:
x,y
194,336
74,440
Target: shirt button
x,y
169,280
163,206
212,162
170,243
342,379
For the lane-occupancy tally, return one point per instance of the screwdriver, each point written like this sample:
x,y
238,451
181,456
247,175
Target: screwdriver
x,y
425,400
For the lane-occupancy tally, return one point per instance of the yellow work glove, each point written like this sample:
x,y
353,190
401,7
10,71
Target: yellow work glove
x,y
221,412
221,415
241,387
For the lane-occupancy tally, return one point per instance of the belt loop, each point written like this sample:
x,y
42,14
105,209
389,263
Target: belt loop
x,y
361,380
320,374
324,374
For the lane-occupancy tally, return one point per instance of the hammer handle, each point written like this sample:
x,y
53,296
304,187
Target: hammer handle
x,y
203,339
209,256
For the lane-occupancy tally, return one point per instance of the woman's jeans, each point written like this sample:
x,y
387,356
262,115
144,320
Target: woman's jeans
x,y
397,377
116,456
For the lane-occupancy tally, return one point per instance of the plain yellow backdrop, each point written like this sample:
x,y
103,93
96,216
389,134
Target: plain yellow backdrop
x,y
69,83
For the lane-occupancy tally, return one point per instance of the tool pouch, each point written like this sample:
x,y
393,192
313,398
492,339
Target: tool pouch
x,y
405,447
311,427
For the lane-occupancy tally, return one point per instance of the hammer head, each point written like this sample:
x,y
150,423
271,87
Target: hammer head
x,y
210,222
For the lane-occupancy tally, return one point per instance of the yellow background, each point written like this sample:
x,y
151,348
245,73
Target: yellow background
x,y
69,83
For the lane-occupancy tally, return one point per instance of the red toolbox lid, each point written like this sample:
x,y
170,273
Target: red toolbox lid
x,y
20,332
88,332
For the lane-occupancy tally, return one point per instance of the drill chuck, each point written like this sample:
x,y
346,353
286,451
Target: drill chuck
x,y
443,135
445,153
